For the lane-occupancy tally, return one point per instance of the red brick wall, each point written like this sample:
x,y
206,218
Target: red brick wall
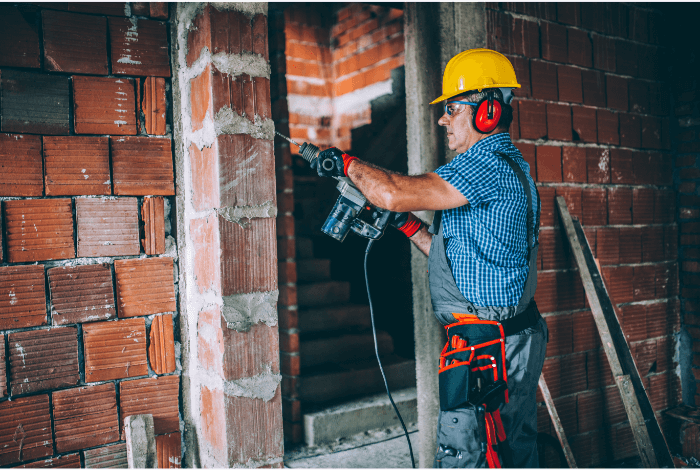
x,y
87,286
345,56
592,121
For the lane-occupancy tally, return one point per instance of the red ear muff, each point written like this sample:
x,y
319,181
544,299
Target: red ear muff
x,y
487,115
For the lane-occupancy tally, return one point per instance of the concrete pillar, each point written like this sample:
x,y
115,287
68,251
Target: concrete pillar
x,y
433,32
226,209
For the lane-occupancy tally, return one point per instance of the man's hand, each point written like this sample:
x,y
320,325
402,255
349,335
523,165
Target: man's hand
x,y
405,222
332,162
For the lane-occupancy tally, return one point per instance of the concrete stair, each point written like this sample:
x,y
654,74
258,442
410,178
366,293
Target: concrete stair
x,y
343,348
317,294
309,270
332,382
334,317
367,414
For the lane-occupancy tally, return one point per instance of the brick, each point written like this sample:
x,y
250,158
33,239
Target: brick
x,y
558,122
670,242
98,8
81,294
585,332
51,233
608,245
139,47
593,88
548,213
643,206
580,47
603,52
75,166
20,160
34,103
241,410
549,164
104,105
107,227
569,13
19,37
574,165
115,350
521,65
659,99
22,297
74,43
566,409
32,370
499,32
3,369
159,10
570,85
85,417
572,196
157,396
204,170
250,353
651,132
630,245
529,153
616,92
659,393
168,450
644,282
589,406
584,124
561,331
653,244
639,96
533,120
62,461
626,58
242,273
153,105
142,166
113,456
140,8
608,127
619,281
161,352
145,286
664,207
598,165
644,356
544,80
619,204
630,130
207,253
201,98
653,59
559,291
25,428
554,250
245,95
554,45
595,206
248,178
153,216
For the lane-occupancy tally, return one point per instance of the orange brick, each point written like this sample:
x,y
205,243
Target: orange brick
x,y
29,419
107,227
153,216
75,166
115,350
104,105
161,352
207,256
145,286
74,43
158,396
20,160
81,294
201,98
22,297
168,450
139,47
153,105
142,166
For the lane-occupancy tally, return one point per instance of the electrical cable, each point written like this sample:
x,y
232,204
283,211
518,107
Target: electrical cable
x,y
376,351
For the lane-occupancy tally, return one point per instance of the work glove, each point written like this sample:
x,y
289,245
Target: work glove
x,y
405,222
332,162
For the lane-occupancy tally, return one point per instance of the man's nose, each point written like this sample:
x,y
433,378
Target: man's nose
x,y
444,120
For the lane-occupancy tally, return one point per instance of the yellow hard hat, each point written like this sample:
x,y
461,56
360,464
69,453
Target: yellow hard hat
x,y
476,69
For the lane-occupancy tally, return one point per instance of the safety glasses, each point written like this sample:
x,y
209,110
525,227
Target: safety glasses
x,y
450,109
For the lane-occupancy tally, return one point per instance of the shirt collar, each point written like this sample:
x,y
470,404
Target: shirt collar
x,y
490,142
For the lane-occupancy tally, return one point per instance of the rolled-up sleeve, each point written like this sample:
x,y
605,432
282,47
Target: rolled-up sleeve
x,y
474,181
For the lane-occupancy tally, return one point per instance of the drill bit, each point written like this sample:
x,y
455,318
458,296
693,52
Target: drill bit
x,y
287,139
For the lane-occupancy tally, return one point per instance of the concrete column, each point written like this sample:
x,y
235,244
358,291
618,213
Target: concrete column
x,y
226,209
434,32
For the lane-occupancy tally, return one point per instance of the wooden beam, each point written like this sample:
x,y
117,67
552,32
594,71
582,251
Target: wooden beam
x,y
557,423
650,441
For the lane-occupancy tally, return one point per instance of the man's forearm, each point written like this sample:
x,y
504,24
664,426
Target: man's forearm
x,y
422,239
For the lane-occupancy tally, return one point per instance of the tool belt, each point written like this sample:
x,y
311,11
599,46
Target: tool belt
x,y
473,373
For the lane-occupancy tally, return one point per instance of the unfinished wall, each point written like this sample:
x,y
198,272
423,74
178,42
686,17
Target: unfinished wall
x,y
88,310
592,122
226,208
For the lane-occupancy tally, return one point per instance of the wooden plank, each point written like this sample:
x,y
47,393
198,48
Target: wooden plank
x,y
557,423
650,441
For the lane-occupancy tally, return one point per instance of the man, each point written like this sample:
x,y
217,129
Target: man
x,y
482,246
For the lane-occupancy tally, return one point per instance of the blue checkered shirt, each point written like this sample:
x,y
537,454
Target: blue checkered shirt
x,y
486,239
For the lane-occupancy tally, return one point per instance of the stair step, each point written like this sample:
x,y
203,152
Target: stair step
x,y
343,348
304,248
343,380
323,293
313,270
337,317
358,416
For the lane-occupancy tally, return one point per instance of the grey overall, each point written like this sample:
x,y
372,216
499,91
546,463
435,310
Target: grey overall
x,y
463,428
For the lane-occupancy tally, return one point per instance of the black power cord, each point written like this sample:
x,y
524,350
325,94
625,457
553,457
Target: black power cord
x,y
376,351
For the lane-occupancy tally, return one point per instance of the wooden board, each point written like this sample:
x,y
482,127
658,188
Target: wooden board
x,y
557,423
650,441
